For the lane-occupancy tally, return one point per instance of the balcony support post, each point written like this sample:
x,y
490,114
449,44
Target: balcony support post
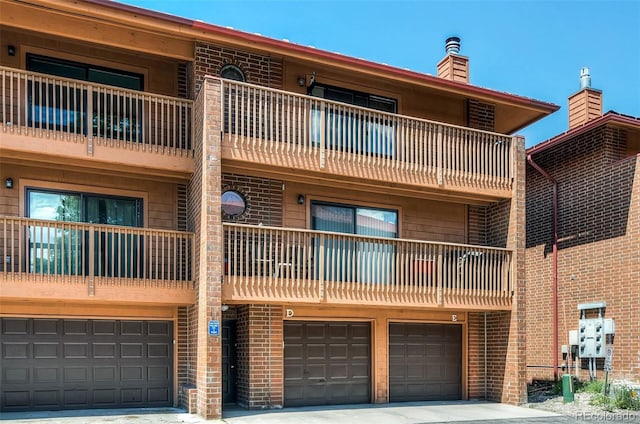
x,y
89,113
440,279
92,269
440,165
321,264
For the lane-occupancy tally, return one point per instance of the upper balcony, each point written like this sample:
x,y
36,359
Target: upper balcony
x,y
61,120
280,132
71,261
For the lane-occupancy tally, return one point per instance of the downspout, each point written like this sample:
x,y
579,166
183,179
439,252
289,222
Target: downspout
x,y
555,262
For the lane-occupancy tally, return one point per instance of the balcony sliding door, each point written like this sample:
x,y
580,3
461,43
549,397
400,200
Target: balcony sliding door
x,y
63,247
353,130
64,107
355,260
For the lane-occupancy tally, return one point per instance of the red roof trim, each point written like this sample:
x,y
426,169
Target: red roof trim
x,y
608,117
271,42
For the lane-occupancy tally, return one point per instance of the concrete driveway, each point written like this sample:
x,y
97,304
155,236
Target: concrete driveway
x,y
400,413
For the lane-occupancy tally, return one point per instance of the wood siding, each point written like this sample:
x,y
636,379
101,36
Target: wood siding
x,y
419,219
160,208
160,76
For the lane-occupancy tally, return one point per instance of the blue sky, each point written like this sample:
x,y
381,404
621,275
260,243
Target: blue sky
x,y
530,48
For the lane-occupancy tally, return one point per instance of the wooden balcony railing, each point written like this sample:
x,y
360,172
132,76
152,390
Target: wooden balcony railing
x,y
294,265
74,252
307,131
45,106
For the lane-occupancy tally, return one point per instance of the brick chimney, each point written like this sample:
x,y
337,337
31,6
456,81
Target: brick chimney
x,y
586,104
454,66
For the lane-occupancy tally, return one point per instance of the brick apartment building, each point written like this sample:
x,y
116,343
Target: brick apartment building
x,y
193,215
594,170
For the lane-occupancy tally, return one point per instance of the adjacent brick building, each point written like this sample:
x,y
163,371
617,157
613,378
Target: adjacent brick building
x,y
194,216
595,167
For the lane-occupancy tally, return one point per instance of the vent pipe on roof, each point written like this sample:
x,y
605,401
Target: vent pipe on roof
x,y
453,66
586,104
585,78
452,45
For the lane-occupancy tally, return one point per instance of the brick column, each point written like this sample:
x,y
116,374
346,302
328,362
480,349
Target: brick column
x,y
209,253
505,359
260,356
515,382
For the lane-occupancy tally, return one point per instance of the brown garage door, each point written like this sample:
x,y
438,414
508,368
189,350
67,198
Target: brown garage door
x,y
52,364
326,363
425,362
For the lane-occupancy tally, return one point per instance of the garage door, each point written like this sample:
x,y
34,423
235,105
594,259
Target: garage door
x,y
51,364
326,363
425,362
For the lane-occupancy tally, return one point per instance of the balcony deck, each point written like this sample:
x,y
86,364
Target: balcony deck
x,y
281,132
60,120
68,261
284,265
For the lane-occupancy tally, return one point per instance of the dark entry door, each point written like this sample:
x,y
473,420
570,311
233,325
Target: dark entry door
x,y
425,362
229,361
53,364
326,363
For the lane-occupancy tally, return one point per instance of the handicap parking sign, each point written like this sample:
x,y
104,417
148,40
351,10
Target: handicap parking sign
x,y
214,327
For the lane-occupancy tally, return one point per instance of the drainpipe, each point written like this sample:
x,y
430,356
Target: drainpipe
x,y
555,262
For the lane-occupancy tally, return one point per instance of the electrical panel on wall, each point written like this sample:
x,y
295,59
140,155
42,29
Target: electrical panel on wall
x,y
592,332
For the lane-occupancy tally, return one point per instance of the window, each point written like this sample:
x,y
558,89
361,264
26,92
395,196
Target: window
x,y
233,203
351,130
64,249
63,108
353,260
232,72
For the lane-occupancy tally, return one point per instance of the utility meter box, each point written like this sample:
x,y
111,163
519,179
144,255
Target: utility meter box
x,y
591,338
573,337
609,326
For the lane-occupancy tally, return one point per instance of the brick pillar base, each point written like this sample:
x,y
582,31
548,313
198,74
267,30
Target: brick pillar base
x,y
260,356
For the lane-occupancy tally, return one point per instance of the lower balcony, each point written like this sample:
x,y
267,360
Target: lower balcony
x,y
70,261
285,265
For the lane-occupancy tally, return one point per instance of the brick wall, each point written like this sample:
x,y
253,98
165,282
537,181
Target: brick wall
x,y
260,380
481,115
475,349
505,379
263,196
477,225
258,69
194,196
598,256
204,219
185,356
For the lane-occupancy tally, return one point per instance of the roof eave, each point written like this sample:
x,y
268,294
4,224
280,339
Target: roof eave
x,y
285,47
607,118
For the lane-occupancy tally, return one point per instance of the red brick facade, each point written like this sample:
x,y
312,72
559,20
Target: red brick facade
x,y
263,197
481,115
258,69
598,250
384,165
260,356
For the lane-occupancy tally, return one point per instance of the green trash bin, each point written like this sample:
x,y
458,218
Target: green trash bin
x,y
567,388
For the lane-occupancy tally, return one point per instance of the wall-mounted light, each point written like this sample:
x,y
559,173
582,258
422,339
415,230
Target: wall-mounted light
x,y
302,80
8,183
301,199
224,307
11,50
